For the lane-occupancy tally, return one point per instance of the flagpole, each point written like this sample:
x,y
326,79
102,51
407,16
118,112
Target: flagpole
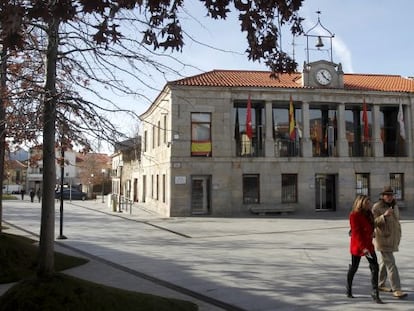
x,y
249,129
366,126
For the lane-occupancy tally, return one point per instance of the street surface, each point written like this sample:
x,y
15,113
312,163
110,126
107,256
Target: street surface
x,y
286,262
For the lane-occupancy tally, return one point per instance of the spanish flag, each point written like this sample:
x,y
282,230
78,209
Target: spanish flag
x,y
249,129
292,130
400,117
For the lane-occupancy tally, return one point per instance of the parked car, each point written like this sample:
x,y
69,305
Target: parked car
x,y
73,194
13,189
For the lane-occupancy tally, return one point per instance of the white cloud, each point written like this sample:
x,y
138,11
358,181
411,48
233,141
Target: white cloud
x,y
341,50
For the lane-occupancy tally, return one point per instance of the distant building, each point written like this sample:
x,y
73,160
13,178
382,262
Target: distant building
x,y
35,168
87,172
93,173
14,176
126,169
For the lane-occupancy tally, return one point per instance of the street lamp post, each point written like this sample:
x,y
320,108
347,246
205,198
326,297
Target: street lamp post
x,y
62,172
103,184
120,165
91,185
8,182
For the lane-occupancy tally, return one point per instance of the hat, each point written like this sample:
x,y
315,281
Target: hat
x,y
387,190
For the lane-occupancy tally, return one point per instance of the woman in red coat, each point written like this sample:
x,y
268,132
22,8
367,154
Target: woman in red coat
x,y
361,221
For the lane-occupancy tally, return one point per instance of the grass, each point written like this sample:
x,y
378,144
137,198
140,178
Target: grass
x,y
9,197
62,292
18,258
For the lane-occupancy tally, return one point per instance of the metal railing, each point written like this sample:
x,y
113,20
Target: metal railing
x,y
121,203
287,148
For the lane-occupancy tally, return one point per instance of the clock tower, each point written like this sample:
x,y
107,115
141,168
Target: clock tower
x,y
321,73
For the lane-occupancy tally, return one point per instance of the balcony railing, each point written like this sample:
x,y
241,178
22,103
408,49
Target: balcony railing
x,y
249,148
287,148
293,148
364,149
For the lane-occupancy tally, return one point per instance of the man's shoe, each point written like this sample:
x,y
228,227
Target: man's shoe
x,y
384,289
399,294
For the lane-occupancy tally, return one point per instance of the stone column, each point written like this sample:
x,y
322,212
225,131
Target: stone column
x,y
378,145
342,143
269,142
408,129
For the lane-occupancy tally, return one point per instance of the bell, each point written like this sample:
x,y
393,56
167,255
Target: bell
x,y
319,44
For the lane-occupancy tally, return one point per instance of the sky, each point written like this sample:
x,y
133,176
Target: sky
x,y
370,36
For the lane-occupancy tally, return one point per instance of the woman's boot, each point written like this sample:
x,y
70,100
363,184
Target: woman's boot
x,y
349,279
374,281
375,296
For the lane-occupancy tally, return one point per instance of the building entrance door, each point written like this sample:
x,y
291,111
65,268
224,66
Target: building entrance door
x,y
325,195
200,195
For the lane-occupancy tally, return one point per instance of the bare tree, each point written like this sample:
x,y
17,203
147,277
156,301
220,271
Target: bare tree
x,y
3,99
82,32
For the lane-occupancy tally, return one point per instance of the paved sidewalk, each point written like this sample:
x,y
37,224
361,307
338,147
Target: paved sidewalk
x,y
258,263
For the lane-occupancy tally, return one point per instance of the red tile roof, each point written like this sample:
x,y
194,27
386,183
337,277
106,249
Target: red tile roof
x,y
240,78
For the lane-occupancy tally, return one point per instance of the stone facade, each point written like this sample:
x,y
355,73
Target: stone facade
x,y
174,182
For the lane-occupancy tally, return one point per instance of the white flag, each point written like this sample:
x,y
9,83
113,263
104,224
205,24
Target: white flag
x,y
400,118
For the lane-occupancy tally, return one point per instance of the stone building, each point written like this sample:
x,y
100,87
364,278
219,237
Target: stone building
x,y
229,142
125,170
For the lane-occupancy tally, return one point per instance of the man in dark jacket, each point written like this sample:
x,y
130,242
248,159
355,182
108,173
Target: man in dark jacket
x,y
387,240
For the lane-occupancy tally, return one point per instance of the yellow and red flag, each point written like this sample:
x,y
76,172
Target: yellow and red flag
x,y
292,130
249,129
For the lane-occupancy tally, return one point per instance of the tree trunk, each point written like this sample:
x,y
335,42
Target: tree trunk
x,y
3,96
47,226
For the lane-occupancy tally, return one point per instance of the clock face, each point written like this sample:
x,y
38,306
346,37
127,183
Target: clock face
x,y
323,77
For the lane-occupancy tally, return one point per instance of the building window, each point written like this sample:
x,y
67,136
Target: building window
x,y
159,133
289,188
165,129
153,136
287,138
397,183
145,141
201,134
362,183
144,188
323,130
157,187
152,186
249,129
251,189
394,144
163,188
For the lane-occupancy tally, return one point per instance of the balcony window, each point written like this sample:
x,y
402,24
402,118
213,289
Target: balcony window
x,y
323,130
359,130
201,134
287,140
249,139
394,143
